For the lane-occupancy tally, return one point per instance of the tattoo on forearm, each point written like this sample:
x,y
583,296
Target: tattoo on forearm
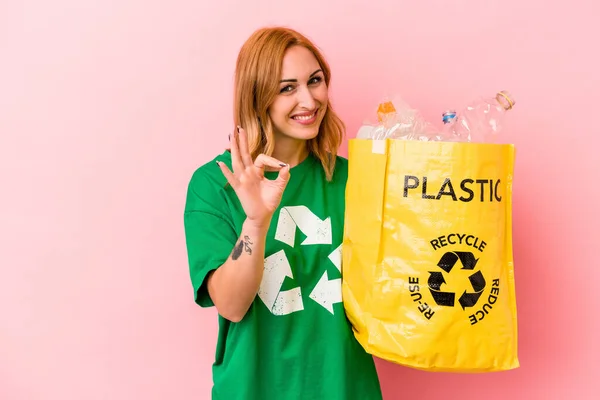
x,y
247,244
243,245
237,251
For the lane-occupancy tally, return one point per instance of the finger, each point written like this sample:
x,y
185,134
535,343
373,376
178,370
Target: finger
x,y
244,148
284,176
236,161
228,174
264,160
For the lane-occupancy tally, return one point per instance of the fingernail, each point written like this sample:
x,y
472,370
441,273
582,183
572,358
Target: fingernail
x,y
218,163
238,129
282,165
229,137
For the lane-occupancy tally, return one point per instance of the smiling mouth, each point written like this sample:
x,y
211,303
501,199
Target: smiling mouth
x,y
305,117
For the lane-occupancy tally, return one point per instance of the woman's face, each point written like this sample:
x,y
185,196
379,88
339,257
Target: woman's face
x,y
298,109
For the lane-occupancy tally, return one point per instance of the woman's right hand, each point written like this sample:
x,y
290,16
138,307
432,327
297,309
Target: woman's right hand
x,y
258,195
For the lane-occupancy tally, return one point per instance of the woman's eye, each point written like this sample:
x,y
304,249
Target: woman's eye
x,y
312,81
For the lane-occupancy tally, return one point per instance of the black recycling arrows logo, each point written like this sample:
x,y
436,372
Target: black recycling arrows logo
x,y
446,263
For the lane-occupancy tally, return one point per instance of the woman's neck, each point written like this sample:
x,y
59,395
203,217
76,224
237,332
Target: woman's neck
x,y
290,151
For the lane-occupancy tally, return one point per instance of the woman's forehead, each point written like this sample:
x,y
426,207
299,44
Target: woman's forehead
x,y
298,62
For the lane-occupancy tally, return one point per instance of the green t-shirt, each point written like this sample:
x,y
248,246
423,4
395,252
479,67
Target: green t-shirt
x,y
295,341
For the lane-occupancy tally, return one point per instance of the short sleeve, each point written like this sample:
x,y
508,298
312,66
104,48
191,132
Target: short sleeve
x,y
209,232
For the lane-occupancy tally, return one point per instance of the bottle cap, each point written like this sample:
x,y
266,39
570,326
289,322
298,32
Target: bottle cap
x,y
448,115
384,110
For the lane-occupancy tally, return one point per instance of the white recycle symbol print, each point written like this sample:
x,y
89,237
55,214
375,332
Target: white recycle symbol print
x,y
277,267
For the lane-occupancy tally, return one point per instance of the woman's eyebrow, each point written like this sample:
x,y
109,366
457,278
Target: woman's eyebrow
x,y
296,80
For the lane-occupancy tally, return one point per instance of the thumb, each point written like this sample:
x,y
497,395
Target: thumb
x,y
284,176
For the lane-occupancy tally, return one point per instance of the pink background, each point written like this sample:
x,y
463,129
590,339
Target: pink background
x,y
106,108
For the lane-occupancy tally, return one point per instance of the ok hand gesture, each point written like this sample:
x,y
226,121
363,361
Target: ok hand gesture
x,y
258,195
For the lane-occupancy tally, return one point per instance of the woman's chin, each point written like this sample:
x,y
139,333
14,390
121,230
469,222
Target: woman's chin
x,y
303,131
304,134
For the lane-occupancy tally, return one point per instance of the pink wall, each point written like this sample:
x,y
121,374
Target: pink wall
x,y
106,108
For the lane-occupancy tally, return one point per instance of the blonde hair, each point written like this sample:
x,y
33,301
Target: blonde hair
x,y
258,69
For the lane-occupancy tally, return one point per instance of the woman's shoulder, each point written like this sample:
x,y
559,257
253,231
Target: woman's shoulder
x,y
210,169
207,179
341,167
341,161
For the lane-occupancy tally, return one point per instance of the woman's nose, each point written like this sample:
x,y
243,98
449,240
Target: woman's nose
x,y
306,98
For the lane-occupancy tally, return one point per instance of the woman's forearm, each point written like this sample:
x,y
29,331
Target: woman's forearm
x,y
233,286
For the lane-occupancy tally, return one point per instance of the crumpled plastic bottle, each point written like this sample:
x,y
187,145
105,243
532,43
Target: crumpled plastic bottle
x,y
480,121
396,119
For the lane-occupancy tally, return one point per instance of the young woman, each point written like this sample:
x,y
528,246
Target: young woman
x,y
264,225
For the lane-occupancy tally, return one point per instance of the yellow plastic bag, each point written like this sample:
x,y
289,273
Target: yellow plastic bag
x,y
428,277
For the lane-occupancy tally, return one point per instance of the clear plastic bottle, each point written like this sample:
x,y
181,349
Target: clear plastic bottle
x,y
480,121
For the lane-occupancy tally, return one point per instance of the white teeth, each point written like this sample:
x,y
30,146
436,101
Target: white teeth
x,y
304,117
